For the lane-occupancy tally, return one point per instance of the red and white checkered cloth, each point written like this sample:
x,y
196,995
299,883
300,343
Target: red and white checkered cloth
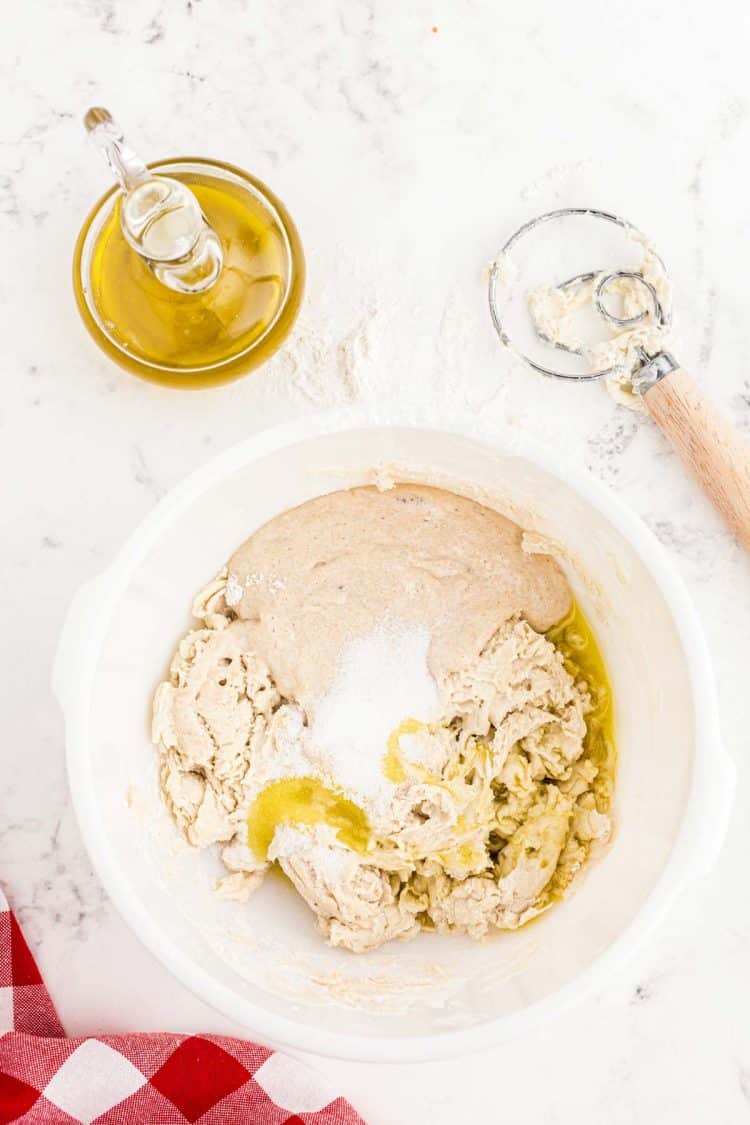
x,y
156,1079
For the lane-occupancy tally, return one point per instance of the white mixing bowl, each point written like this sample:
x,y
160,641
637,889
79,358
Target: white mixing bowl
x,y
263,963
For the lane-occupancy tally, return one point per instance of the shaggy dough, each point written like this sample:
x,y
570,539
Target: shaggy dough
x,y
496,805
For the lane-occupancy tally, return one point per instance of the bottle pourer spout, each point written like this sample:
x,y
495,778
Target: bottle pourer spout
x,y
160,217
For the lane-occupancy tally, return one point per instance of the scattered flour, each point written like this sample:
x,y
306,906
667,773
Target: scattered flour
x,y
235,588
327,368
234,591
506,271
334,862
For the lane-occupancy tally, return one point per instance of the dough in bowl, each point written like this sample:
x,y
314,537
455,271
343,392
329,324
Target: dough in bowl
x,y
394,701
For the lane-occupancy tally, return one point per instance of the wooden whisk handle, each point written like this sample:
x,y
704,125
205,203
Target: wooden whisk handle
x,y
707,444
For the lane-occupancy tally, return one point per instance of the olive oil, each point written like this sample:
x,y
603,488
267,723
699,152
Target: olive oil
x,y
575,639
308,801
195,339
393,762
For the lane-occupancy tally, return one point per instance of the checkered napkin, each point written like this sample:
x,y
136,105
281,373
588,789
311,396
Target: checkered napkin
x,y
160,1079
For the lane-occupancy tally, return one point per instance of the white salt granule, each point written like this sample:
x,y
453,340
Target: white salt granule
x,y
383,678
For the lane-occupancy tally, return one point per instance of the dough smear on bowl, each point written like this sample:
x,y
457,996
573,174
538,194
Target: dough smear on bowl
x,y
391,699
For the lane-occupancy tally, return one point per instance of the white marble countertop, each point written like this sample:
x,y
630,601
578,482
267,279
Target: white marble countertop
x,y
407,140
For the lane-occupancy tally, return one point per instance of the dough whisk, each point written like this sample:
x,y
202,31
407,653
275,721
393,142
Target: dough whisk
x,y
613,323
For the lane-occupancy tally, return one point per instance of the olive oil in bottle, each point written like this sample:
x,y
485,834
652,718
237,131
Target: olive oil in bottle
x,y
191,273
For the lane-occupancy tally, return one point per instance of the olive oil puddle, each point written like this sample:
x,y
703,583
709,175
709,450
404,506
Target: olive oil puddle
x,y
308,801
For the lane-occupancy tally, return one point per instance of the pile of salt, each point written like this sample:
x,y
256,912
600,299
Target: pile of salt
x,y
383,679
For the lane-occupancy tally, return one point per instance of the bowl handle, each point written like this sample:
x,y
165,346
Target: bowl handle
x,y
75,639
718,810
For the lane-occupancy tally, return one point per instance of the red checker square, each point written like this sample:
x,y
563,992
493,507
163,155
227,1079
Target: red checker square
x,y
249,1104
24,965
197,1076
251,1055
16,1098
148,1051
34,1012
6,965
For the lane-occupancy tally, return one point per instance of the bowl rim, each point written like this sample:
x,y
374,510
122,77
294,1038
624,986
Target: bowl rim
x,y
695,848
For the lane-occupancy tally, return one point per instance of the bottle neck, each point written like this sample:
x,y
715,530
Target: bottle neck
x,y
160,217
